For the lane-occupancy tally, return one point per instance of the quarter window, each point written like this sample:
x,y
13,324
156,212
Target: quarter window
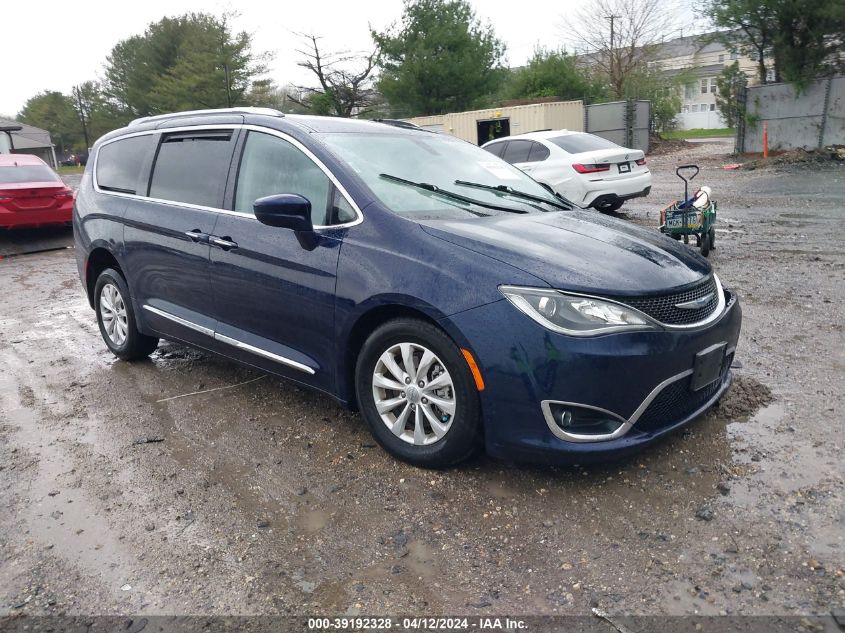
x,y
191,167
517,152
538,152
271,165
120,162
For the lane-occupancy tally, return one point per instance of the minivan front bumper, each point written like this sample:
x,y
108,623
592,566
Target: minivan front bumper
x,y
640,379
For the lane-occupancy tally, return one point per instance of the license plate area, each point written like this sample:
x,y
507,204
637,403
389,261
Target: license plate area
x,y
624,167
675,222
707,367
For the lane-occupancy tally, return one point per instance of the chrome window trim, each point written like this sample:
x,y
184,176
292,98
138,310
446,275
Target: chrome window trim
x,y
228,126
611,329
230,341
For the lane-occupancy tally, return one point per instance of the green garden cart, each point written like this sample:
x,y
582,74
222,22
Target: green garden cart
x,y
694,215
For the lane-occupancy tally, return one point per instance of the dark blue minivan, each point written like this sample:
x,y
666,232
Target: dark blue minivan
x,y
451,299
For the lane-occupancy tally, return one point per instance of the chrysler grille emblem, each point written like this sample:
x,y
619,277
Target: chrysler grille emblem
x,y
695,303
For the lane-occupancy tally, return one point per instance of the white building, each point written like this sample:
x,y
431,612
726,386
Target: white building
x,y
704,59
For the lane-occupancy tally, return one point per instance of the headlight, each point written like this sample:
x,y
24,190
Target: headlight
x,y
576,315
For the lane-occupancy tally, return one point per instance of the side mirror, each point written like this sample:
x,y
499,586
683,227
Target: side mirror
x,y
286,210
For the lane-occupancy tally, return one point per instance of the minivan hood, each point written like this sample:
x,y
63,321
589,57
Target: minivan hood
x,y
580,251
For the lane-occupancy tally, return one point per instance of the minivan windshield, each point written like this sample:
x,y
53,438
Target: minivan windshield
x,y
418,175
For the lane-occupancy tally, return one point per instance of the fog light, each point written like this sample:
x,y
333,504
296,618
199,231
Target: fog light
x,y
566,418
577,420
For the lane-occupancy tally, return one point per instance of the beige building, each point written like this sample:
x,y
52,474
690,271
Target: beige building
x,y
705,60
480,126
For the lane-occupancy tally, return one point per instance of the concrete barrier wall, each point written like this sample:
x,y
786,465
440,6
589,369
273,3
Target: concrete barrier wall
x,y
815,118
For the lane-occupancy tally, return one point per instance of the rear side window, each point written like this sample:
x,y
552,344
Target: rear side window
x,y
496,149
191,167
538,152
271,165
577,143
120,162
517,152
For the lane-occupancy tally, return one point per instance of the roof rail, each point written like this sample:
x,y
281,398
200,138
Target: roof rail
x,y
189,113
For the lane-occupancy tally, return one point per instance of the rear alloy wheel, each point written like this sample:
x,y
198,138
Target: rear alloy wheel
x,y
116,319
417,394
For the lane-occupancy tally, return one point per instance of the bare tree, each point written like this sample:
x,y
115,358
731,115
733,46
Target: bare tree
x,y
345,81
619,36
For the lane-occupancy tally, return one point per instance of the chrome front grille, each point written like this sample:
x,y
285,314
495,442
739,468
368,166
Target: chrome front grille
x,y
663,308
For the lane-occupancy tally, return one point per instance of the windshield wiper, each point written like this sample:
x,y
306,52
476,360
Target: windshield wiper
x,y
504,189
425,186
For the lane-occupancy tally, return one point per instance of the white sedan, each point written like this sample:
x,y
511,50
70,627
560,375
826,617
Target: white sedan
x,y
588,170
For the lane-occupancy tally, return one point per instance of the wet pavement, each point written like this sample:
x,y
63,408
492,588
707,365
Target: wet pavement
x,y
121,493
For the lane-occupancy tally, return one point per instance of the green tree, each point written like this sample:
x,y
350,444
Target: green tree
x,y
809,38
663,90
551,73
54,111
802,38
441,58
750,25
188,62
729,84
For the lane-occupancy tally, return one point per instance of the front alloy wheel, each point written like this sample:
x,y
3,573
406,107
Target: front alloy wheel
x,y
417,394
414,393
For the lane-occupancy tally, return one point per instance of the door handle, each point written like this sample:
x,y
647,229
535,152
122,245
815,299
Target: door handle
x,y
196,235
225,243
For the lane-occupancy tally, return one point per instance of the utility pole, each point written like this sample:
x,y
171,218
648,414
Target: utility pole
x,y
612,19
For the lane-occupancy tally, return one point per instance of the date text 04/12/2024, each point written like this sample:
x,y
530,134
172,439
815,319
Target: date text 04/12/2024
x,y
416,623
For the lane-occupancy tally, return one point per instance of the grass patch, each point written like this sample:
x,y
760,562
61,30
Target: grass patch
x,y
697,133
70,169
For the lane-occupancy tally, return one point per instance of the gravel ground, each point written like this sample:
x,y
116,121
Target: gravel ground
x,y
264,498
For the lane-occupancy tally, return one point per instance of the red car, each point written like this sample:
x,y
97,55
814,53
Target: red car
x,y
32,194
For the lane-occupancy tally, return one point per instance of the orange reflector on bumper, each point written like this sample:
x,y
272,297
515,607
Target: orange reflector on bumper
x,y
473,367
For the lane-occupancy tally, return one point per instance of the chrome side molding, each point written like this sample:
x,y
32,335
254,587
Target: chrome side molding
x,y
188,324
263,352
231,341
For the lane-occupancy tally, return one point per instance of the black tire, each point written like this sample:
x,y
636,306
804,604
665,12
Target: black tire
x,y
610,207
463,436
133,345
705,244
712,233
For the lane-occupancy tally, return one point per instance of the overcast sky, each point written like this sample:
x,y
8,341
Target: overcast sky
x,y
54,45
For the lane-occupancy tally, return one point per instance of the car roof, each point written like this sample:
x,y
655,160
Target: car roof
x,y
536,136
19,160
